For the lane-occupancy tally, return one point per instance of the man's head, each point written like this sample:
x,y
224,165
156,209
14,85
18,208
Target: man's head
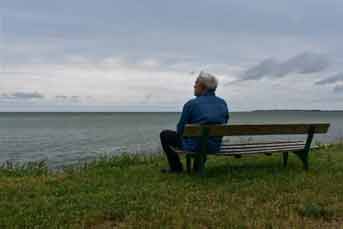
x,y
205,82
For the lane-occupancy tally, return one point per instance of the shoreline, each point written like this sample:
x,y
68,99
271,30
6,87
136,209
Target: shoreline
x,y
51,166
129,191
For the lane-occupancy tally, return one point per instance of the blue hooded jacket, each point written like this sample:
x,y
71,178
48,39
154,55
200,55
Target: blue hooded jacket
x,y
204,109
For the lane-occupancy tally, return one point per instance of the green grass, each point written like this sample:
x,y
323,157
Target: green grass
x,y
129,192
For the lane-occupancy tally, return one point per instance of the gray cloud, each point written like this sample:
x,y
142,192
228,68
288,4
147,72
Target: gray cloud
x,y
39,34
62,97
304,63
65,97
23,95
148,96
265,68
331,80
338,88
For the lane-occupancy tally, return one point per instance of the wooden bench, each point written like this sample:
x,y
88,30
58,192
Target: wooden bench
x,y
300,148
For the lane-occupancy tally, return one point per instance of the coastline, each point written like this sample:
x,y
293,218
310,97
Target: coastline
x,y
128,191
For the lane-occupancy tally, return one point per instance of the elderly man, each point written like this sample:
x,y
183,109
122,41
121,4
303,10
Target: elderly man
x,y
205,108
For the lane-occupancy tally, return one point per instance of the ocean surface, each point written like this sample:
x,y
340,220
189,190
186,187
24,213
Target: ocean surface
x,y
67,138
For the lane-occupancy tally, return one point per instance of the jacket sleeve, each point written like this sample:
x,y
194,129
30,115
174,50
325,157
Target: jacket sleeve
x,y
185,118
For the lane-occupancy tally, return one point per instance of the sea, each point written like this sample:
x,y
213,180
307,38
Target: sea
x,y
63,139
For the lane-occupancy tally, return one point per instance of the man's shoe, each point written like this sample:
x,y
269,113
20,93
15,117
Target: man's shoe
x,y
170,171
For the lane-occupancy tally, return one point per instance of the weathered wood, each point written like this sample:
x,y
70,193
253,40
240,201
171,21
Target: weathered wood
x,y
262,146
309,139
261,149
243,150
230,153
262,143
204,150
195,130
304,154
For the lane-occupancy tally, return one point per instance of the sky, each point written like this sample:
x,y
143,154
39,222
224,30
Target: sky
x,y
138,55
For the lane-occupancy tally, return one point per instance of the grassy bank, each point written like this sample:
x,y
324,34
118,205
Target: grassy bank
x,y
129,191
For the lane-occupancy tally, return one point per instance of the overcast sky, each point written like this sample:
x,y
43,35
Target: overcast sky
x,y
136,55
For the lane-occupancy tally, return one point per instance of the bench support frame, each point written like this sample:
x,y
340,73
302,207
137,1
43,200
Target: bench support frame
x,y
200,157
204,134
303,155
285,158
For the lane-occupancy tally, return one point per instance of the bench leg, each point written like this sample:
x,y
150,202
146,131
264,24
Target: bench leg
x,y
201,169
285,158
199,164
189,163
303,156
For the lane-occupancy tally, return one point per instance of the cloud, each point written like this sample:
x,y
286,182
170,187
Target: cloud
x,y
73,98
148,96
61,97
304,63
331,80
336,80
23,95
150,63
265,68
338,88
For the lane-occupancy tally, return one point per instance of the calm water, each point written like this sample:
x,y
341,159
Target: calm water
x,y
67,138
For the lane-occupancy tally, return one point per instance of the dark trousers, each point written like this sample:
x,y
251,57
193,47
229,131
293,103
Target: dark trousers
x,y
170,138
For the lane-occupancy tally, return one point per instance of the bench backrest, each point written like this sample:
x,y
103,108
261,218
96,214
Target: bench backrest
x,y
196,130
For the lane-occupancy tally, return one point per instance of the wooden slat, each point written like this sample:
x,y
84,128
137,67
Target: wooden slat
x,y
262,143
194,130
259,151
246,151
262,146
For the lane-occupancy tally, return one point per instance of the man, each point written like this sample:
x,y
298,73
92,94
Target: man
x,y
206,108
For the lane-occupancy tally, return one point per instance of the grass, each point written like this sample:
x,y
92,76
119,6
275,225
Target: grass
x,y
129,192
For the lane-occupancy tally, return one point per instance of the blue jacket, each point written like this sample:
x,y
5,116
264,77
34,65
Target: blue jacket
x,y
204,109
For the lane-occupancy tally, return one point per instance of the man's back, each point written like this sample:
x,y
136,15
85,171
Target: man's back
x,y
204,109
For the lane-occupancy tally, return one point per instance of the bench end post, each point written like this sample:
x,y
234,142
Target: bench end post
x,y
203,152
189,163
285,158
304,154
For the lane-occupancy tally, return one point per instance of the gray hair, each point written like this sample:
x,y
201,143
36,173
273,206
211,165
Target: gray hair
x,y
210,81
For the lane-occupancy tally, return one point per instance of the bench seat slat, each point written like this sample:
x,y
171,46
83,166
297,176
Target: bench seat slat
x,y
261,150
262,143
263,146
228,153
248,151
